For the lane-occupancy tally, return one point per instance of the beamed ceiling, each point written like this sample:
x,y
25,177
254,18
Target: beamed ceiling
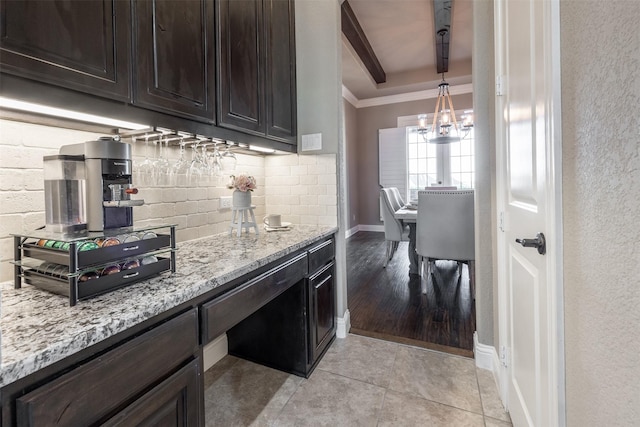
x,y
402,37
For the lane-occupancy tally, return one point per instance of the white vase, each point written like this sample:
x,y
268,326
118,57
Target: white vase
x,y
241,199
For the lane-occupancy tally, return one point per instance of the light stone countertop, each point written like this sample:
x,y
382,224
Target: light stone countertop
x,y
39,328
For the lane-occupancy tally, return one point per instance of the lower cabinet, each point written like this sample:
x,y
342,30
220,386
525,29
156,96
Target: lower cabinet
x,y
157,373
283,317
322,310
293,331
174,402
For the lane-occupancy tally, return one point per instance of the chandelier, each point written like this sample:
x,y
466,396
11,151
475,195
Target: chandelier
x,y
444,128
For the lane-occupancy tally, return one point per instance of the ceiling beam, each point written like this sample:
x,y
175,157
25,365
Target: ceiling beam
x,y
355,34
442,26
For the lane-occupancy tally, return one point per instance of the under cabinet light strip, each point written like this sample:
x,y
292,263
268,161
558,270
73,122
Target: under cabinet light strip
x,y
261,149
68,114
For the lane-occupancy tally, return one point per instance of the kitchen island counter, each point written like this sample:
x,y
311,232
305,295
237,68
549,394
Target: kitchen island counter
x,y
39,328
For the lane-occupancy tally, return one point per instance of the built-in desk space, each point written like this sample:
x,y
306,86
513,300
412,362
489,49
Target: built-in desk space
x,y
221,282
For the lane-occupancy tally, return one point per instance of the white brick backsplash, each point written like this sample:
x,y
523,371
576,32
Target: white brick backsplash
x,y
23,157
150,195
207,205
300,170
310,199
298,190
10,224
309,180
327,179
279,171
6,249
21,201
327,200
185,208
308,196
11,179
302,188
200,193
33,179
187,234
308,159
177,194
196,220
33,221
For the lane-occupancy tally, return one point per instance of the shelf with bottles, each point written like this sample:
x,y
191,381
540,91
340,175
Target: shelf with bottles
x,y
82,266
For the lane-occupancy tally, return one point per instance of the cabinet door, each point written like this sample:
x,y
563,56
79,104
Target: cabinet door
x,y
174,56
322,310
77,44
240,65
280,58
174,402
94,390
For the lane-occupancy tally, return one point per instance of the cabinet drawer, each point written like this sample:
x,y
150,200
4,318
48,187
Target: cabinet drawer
x,y
175,401
92,391
320,254
224,312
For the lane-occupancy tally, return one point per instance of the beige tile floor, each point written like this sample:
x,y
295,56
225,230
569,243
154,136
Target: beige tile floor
x,y
360,382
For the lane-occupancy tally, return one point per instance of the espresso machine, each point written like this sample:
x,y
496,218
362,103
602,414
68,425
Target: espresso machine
x,y
108,187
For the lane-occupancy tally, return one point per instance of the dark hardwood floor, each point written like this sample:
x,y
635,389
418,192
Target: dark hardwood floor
x,y
389,304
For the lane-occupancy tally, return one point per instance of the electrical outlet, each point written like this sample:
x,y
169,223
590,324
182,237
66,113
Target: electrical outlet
x,y
225,202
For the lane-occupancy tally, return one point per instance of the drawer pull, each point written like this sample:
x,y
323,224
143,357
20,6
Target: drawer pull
x,y
128,276
323,282
130,248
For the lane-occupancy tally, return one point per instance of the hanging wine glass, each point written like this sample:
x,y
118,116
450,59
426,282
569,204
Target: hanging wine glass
x,y
145,169
215,160
181,166
228,160
195,167
161,163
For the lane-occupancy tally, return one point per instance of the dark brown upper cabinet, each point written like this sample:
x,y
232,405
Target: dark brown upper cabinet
x,y
77,44
256,67
174,54
280,55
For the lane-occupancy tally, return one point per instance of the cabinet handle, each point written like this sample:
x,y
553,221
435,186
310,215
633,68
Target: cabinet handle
x,y
130,248
323,282
128,276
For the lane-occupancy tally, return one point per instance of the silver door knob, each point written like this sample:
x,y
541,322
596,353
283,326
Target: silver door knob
x,y
539,242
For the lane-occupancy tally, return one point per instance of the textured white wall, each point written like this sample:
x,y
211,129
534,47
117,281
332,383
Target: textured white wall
x,y
600,48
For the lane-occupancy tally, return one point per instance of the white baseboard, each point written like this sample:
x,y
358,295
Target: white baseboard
x,y
350,232
344,325
484,354
214,351
365,227
487,358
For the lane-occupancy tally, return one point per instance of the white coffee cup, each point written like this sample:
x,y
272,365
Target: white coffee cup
x,y
273,221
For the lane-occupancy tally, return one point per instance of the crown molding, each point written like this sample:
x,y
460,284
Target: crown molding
x,y
346,94
403,97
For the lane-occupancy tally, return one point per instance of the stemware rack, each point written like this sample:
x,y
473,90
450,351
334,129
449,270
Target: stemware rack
x,y
61,265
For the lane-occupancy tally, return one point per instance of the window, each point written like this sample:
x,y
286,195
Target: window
x,y
433,164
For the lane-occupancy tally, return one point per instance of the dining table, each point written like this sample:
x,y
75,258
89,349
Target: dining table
x,y
408,214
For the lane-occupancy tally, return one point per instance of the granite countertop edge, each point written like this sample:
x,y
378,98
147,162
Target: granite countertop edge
x,y
57,331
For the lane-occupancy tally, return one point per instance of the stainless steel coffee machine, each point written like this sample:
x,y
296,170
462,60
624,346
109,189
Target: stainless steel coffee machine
x,y
109,185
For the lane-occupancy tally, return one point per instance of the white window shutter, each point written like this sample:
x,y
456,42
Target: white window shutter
x,y
392,159
392,155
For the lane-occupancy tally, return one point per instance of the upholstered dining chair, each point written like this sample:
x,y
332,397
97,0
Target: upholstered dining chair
x,y
394,230
395,193
445,228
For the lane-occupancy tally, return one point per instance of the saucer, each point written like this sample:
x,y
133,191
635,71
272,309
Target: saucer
x,y
282,225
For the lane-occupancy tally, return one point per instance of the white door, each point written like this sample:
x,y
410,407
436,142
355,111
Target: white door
x,y
528,128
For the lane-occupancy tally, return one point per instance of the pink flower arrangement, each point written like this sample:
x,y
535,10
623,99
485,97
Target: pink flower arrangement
x,y
242,183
